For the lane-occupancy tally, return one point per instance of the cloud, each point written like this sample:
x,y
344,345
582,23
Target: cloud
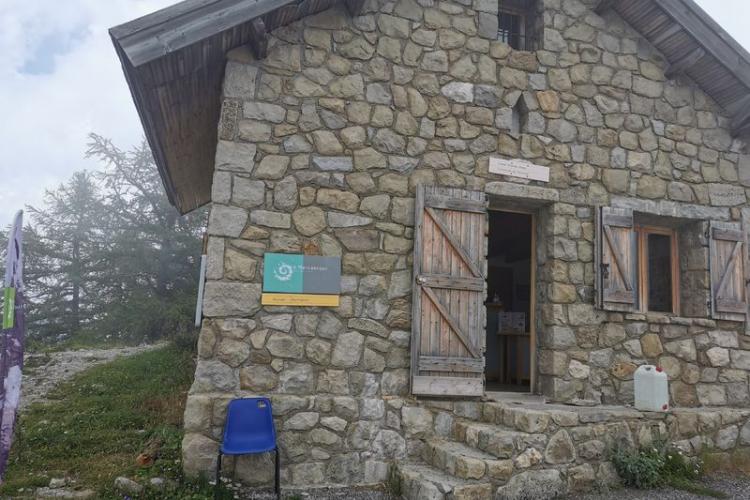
x,y
60,79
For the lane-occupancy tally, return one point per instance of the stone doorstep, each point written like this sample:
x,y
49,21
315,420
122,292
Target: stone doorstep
x,y
534,418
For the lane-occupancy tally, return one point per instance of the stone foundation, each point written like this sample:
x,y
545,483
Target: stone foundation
x,y
476,450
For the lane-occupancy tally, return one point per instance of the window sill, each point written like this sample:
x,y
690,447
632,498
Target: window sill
x,y
668,318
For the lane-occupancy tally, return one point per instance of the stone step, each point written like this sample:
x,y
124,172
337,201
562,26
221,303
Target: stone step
x,y
534,484
422,482
528,418
496,440
465,462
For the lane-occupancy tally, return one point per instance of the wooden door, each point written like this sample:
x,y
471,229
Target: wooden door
x,y
616,256
450,268
727,246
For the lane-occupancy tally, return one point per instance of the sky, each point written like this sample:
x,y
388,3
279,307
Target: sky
x,y
60,80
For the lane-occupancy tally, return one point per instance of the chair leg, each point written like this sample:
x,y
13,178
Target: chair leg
x,y
218,477
277,485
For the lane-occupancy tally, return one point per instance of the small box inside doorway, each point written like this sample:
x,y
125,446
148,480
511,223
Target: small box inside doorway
x,y
511,322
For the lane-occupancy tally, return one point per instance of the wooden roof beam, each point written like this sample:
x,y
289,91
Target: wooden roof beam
x,y
604,6
354,6
681,66
258,38
708,35
666,34
741,115
159,35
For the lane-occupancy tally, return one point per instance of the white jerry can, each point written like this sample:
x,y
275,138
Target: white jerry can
x,y
651,389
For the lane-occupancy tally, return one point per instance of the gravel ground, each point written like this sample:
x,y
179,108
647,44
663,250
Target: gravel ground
x,y
341,493
734,487
42,372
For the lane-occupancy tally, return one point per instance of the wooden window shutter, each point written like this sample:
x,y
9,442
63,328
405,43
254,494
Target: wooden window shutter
x,y
727,267
450,267
616,265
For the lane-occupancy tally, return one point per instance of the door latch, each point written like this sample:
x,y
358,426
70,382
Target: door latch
x,y
421,280
605,271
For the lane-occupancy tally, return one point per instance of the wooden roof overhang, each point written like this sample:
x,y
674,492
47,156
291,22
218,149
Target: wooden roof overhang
x,y
174,62
696,46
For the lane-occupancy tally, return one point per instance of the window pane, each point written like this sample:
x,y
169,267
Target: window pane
x,y
659,273
510,29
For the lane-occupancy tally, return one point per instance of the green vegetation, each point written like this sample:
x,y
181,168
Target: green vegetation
x,y
107,260
100,421
661,465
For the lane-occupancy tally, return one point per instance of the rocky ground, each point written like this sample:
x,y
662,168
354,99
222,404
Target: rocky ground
x,y
43,371
735,487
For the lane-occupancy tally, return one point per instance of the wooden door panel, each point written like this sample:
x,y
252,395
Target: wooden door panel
x,y
449,292
728,254
617,260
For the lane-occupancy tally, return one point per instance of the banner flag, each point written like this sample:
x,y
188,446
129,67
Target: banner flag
x,y
11,340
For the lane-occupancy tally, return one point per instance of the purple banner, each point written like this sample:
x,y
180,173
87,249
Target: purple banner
x,y
12,341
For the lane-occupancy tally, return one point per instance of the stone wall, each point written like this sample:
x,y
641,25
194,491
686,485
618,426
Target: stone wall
x,y
321,146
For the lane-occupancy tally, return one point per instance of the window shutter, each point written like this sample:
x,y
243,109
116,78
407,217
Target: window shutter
x,y
450,266
728,256
616,264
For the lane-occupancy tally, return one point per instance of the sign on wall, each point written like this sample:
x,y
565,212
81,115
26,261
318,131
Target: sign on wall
x,y
301,280
519,168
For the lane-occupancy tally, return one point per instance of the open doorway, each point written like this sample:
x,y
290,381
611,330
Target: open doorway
x,y
510,302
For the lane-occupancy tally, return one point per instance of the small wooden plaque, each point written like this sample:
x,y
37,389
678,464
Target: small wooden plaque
x,y
519,168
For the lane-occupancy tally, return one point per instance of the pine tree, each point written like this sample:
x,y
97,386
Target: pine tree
x,y
65,265
156,252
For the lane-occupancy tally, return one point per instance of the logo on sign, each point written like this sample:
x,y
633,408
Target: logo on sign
x,y
283,272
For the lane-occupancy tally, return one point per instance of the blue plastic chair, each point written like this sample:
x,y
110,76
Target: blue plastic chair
x,y
249,430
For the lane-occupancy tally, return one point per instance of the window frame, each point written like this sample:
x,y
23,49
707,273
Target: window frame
x,y
521,35
642,232
527,11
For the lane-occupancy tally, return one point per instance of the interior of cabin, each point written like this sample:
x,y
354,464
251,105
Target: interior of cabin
x,y
509,289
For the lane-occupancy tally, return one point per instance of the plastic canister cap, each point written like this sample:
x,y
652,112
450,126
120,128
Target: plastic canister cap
x,y
659,369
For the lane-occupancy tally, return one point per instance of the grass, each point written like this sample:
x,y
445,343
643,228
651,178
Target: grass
x,y
96,425
661,465
78,341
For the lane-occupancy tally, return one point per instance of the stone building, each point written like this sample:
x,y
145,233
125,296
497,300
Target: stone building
x,y
526,197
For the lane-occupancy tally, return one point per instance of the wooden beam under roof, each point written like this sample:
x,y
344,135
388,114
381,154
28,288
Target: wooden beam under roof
x,y
604,6
354,6
707,36
741,114
666,34
679,67
158,37
715,41
259,38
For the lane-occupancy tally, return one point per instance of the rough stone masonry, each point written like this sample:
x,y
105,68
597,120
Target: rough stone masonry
x,y
321,146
